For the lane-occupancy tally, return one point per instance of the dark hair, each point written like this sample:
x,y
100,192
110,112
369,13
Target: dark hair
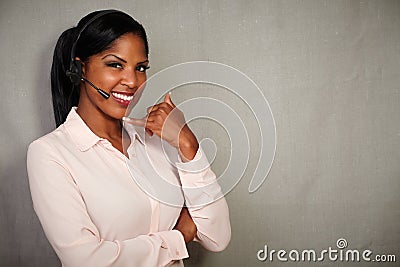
x,y
97,37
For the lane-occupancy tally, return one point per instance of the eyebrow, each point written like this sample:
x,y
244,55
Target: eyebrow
x,y
123,60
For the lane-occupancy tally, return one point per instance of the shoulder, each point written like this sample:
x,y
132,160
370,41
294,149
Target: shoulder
x,y
49,142
49,154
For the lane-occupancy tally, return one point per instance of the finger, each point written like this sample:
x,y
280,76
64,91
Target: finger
x,y
149,132
161,111
167,99
157,115
136,122
155,126
152,108
164,105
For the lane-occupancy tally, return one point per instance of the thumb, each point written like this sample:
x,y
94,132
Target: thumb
x,y
136,122
167,99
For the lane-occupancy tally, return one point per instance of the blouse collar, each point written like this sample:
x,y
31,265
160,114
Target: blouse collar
x,y
83,137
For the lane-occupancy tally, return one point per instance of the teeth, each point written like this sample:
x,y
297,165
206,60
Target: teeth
x,y
122,97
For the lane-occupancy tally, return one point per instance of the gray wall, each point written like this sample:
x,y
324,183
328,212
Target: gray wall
x,y
330,71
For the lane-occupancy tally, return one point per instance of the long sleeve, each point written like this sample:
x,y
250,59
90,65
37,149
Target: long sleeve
x,y
206,203
62,212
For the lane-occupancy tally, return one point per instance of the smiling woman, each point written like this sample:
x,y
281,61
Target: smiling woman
x,y
121,67
91,210
119,71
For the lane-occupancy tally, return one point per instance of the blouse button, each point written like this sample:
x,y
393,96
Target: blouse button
x,y
132,153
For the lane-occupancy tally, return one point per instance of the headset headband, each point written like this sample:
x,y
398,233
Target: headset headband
x,y
102,13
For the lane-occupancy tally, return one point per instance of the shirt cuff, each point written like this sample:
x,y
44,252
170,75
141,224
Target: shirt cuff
x,y
198,164
174,242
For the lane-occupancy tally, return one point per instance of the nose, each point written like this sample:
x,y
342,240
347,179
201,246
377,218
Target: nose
x,y
130,79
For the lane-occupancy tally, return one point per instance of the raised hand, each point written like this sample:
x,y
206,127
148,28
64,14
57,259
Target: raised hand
x,y
168,122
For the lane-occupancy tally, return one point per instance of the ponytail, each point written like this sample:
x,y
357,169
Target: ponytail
x,y
65,94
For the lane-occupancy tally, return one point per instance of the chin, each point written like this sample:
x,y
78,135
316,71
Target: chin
x,y
116,114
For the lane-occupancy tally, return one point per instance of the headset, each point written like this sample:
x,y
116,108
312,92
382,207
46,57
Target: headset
x,y
75,68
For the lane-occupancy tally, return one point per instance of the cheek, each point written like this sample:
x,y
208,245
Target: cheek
x,y
107,79
142,78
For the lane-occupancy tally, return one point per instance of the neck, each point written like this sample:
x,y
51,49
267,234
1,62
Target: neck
x,y
99,123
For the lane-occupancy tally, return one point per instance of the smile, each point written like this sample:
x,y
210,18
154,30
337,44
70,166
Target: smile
x,y
122,97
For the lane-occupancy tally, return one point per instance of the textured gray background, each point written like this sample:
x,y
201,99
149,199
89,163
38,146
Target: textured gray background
x,y
330,71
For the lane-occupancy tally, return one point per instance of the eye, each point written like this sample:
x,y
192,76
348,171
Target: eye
x,y
116,65
142,68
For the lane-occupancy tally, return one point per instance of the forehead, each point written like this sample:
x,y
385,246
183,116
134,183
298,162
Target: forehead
x,y
127,45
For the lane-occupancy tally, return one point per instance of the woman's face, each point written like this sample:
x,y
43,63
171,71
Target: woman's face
x,y
119,71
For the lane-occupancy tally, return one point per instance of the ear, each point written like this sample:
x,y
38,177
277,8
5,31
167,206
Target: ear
x,y
78,60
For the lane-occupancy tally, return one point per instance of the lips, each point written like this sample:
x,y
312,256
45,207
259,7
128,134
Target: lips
x,y
123,98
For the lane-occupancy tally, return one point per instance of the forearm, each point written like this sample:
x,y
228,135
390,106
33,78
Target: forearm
x,y
206,203
188,144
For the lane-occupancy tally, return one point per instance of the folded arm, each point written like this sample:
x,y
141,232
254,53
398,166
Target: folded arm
x,y
206,203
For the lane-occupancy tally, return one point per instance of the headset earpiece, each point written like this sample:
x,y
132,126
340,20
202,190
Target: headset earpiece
x,y
75,72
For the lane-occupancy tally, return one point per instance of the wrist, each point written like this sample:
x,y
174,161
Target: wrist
x,y
187,145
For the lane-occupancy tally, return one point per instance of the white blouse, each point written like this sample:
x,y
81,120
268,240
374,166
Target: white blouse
x,y
99,208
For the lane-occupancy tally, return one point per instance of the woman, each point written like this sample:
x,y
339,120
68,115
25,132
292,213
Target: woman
x,y
92,211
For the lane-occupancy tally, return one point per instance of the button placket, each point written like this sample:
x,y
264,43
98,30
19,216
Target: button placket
x,y
155,215
131,149
107,145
